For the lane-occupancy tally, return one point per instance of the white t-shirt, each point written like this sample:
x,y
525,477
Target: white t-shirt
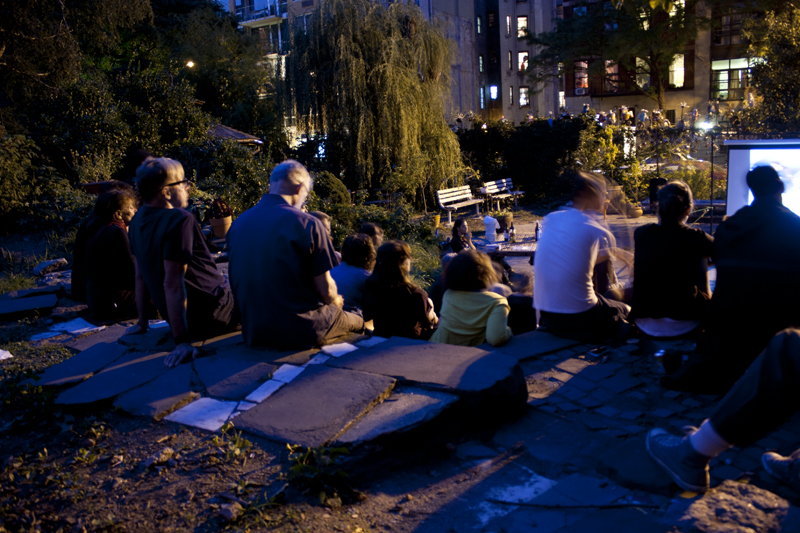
x,y
491,228
565,258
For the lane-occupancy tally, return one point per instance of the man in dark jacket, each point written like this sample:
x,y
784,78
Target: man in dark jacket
x,y
757,254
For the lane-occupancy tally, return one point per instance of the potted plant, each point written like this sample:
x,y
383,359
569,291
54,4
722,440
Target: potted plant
x,y
504,220
219,216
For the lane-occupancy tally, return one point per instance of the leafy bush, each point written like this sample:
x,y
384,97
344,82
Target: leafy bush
x,y
329,187
697,178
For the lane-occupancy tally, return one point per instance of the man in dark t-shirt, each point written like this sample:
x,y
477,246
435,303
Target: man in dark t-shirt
x,y
173,263
279,265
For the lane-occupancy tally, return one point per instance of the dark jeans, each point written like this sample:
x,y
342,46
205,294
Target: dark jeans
x,y
344,323
599,324
522,315
765,396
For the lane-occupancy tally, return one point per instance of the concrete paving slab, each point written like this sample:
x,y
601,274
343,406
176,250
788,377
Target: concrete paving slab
x,y
456,367
372,341
474,449
215,343
160,397
628,464
82,365
621,382
338,350
573,366
317,406
401,411
531,344
527,520
130,371
267,389
36,291
599,372
617,520
287,373
231,378
43,305
319,359
274,357
110,334
205,413
579,489
160,338
245,406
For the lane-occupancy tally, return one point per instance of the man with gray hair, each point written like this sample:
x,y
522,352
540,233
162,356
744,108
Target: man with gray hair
x,y
280,261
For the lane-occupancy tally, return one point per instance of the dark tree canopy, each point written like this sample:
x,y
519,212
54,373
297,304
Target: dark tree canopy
x,y
373,81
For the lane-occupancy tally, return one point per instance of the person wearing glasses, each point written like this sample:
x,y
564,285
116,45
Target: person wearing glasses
x,y
173,263
280,260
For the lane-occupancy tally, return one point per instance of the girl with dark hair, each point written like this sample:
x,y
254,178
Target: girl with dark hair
x,y
462,237
670,272
471,313
398,307
358,260
110,273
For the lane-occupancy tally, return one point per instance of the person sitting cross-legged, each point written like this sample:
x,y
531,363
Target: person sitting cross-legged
x,y
761,400
280,262
565,261
110,271
670,273
173,263
358,260
397,306
471,313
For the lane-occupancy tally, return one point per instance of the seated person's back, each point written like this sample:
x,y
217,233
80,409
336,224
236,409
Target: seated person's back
x,y
564,264
471,313
397,306
173,264
358,260
110,272
670,280
280,260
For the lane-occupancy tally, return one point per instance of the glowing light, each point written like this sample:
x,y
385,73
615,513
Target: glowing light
x,y
493,92
190,64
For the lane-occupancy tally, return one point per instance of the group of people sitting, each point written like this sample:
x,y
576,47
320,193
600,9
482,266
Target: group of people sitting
x,y
289,289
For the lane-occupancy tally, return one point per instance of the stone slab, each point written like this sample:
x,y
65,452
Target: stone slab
x,y
205,413
82,365
148,341
231,378
317,406
629,465
338,350
599,372
267,389
161,396
131,371
215,343
108,335
36,291
617,520
583,490
10,309
455,367
573,366
264,355
620,383
401,411
531,344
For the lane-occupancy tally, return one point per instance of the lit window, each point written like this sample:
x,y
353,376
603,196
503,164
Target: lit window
x,y
581,77
524,98
478,25
522,27
480,63
493,92
511,95
482,95
490,18
522,60
510,64
730,78
611,79
676,72
508,25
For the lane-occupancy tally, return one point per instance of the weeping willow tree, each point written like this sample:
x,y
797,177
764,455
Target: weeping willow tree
x,y
374,81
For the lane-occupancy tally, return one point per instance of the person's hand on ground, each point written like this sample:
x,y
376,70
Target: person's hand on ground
x,y
183,353
135,330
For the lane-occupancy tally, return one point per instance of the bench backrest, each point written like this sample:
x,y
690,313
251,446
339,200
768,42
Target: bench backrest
x,y
456,194
494,187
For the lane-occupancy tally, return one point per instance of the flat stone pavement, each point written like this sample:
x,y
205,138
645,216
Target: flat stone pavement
x,y
574,460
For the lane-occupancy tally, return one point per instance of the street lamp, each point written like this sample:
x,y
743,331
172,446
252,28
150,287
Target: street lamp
x,y
190,63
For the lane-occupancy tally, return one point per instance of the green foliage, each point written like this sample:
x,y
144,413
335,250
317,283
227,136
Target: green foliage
x,y
775,40
374,80
645,40
234,445
318,471
223,169
426,264
697,178
329,187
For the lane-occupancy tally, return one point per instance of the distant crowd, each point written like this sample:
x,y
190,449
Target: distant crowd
x,y
289,288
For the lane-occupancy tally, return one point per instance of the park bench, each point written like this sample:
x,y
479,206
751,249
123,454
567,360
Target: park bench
x,y
500,190
451,199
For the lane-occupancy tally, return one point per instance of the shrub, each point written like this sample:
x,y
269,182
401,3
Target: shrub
x,y
696,177
329,187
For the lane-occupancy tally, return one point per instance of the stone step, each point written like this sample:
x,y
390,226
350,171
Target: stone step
x,y
161,396
82,365
37,291
22,307
317,406
531,344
